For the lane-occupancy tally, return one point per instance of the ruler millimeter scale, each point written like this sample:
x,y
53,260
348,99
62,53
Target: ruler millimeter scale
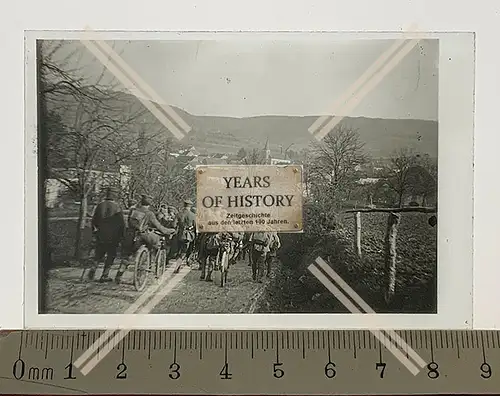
x,y
249,362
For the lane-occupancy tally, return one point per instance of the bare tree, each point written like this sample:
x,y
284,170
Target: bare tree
x,y
101,126
423,179
398,175
254,157
165,181
335,161
242,153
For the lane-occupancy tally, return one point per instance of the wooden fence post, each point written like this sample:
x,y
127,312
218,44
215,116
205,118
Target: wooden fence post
x,y
393,221
357,233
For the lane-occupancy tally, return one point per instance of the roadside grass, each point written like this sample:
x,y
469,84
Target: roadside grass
x,y
296,290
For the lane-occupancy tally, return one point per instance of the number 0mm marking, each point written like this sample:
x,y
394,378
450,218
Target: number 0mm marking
x,y
18,369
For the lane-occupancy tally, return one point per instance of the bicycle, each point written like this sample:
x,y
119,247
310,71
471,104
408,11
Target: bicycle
x,y
143,266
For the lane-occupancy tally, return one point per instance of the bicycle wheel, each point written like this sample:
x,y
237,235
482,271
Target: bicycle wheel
x,y
224,261
141,268
161,262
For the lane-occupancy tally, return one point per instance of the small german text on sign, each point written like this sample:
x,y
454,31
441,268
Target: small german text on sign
x,y
240,198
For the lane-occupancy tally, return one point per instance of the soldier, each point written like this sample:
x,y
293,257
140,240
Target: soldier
x,y
186,233
109,225
211,246
274,246
237,246
259,242
202,253
194,246
246,248
142,222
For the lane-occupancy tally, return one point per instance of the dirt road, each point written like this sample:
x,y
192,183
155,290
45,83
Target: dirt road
x,y
66,293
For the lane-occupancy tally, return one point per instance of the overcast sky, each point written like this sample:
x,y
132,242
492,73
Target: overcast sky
x,y
248,78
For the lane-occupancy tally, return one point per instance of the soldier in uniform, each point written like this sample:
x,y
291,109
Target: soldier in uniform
x,y
274,245
247,248
260,243
142,222
109,225
186,232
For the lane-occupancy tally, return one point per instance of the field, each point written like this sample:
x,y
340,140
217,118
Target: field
x,y
298,291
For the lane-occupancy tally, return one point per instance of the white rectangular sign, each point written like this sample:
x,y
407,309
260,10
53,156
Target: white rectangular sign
x,y
243,198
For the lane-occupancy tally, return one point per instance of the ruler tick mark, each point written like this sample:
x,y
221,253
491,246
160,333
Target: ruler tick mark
x,y
482,347
175,347
21,339
354,345
46,344
277,349
200,344
225,350
432,349
252,344
329,348
123,352
149,345
458,345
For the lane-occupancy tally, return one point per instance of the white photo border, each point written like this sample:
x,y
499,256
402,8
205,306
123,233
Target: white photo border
x,y
455,200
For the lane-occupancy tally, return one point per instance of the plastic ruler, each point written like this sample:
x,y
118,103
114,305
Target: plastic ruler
x,y
248,362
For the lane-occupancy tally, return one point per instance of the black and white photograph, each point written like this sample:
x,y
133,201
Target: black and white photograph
x,y
121,126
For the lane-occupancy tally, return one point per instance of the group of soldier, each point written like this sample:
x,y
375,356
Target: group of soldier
x,y
145,225
261,246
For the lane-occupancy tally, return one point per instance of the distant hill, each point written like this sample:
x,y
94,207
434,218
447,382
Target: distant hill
x,y
381,136
228,134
